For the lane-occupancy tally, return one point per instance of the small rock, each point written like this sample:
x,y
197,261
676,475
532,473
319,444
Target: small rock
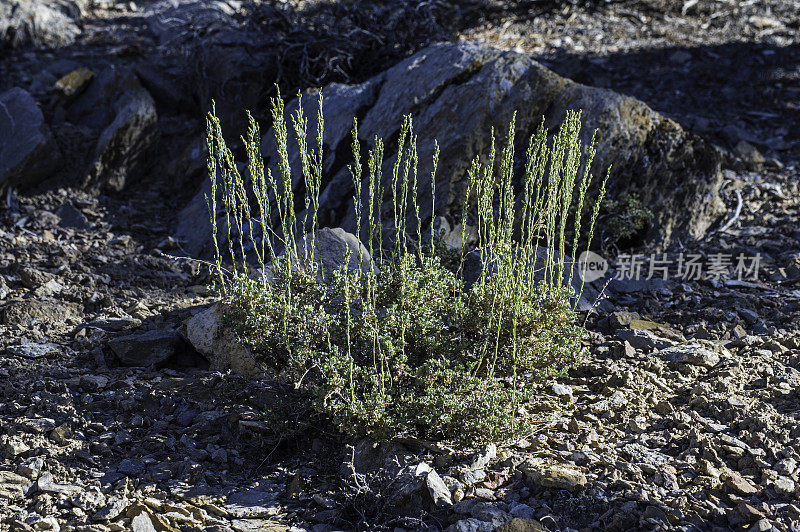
x,y
12,486
664,408
113,509
142,523
786,467
438,490
739,484
145,349
762,525
470,477
131,467
123,149
206,332
52,313
61,434
750,316
622,318
49,288
749,153
643,340
553,476
33,351
637,425
75,82
471,525
562,390
255,503
523,511
12,447
483,457
47,485
784,486
488,512
219,456
93,383
691,354
744,513
72,218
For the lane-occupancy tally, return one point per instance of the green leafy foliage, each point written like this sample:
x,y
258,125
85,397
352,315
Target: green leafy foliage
x,y
407,347
624,217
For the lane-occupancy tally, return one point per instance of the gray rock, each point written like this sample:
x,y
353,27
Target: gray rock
x,y
93,383
561,390
482,458
97,106
252,503
12,447
471,525
458,91
48,485
89,501
691,354
142,523
739,484
488,512
33,351
12,486
471,476
71,217
31,467
553,475
438,490
193,229
113,509
28,152
784,486
648,459
523,511
418,486
131,467
145,349
646,341
124,146
51,313
206,332
786,467
329,247
170,22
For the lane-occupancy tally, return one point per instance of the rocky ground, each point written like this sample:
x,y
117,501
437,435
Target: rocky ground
x,y
685,414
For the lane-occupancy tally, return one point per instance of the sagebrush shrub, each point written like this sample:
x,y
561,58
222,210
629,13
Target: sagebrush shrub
x,y
407,348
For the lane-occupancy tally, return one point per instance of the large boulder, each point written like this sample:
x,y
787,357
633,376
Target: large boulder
x,y
28,152
123,147
458,91
117,111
